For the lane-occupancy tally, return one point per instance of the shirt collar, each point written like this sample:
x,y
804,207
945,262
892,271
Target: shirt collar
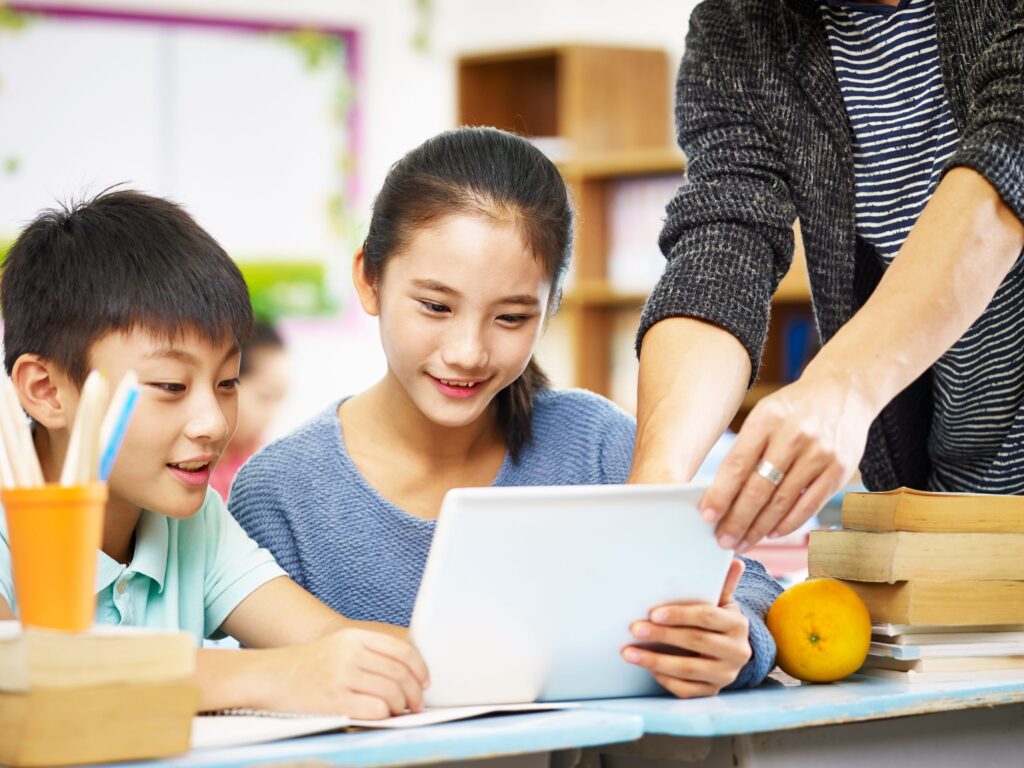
x,y
152,535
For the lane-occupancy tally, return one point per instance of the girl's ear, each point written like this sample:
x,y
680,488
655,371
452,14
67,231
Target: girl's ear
x,y
365,287
46,394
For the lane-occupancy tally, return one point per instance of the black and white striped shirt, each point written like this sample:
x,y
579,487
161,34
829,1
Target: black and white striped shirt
x,y
887,62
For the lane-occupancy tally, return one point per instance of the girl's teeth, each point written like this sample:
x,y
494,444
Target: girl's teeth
x,y
465,384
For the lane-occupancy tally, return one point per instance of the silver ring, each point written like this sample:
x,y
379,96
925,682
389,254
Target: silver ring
x,y
770,472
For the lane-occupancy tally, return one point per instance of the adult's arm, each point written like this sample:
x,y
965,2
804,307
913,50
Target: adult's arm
x,y
967,239
728,239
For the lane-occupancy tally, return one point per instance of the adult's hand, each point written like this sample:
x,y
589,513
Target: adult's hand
x,y
813,433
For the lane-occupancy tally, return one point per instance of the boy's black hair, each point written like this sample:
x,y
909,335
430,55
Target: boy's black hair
x,y
121,261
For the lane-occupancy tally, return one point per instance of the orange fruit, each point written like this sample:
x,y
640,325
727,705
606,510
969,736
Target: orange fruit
x,y
822,630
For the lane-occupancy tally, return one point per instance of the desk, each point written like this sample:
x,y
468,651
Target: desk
x,y
859,721
536,740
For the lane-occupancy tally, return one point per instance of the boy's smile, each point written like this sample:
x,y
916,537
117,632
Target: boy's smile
x,y
187,410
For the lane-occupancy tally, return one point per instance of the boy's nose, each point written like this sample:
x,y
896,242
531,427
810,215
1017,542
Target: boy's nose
x,y
208,423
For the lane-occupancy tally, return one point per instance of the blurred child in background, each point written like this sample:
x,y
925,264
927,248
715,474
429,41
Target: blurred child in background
x,y
263,383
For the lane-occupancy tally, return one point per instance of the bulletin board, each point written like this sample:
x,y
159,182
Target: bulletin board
x,y
252,126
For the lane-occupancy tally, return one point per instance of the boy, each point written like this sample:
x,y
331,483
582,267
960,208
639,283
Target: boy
x,y
129,281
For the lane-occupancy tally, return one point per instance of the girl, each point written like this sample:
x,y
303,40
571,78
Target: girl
x,y
469,240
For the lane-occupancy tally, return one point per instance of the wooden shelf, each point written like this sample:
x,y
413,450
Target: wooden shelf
x,y
601,295
609,110
632,162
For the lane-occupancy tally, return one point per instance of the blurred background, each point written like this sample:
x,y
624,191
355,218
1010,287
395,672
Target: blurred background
x,y
274,123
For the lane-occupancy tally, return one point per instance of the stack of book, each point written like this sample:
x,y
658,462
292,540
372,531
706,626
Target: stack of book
x,y
112,693
942,575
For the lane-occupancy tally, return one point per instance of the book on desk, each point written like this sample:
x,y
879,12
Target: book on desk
x,y
942,576
111,693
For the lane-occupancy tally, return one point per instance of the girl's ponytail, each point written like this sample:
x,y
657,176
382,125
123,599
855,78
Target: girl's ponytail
x,y
515,407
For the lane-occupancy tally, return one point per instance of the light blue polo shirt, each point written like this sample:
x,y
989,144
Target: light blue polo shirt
x,y
185,574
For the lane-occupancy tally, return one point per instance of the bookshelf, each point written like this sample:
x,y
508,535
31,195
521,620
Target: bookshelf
x,y
604,116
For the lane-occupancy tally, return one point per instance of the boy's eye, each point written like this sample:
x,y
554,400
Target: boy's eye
x,y
173,388
230,383
433,307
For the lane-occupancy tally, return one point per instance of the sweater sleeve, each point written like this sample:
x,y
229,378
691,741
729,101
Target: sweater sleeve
x,y
256,502
755,594
728,232
993,141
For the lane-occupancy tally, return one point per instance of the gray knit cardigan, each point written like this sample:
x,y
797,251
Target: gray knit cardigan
x,y
761,119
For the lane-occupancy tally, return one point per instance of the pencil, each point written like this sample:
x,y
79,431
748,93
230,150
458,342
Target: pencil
x,y
18,438
81,462
115,423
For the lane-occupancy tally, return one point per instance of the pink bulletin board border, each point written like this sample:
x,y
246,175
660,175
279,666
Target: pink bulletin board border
x,y
353,51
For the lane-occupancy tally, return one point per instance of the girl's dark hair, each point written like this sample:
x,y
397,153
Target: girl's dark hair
x,y
482,172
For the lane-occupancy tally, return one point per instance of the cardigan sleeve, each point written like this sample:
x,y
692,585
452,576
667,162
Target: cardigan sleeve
x,y
993,141
755,594
728,231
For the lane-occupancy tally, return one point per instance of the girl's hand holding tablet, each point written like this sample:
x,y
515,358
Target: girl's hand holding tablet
x,y
704,647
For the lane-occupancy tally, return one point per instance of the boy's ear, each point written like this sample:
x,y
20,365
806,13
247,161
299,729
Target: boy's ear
x,y
45,392
365,287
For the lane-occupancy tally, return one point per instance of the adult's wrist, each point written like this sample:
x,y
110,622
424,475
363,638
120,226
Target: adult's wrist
x,y
850,384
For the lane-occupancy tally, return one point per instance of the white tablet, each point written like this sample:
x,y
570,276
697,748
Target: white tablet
x,y
528,593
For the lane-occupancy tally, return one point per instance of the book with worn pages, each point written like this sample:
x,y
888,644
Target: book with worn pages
x,y
950,603
903,556
44,658
905,509
945,669
112,693
96,724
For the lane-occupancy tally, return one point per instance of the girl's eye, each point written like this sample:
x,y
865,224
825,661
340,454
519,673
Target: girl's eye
x,y
433,307
513,319
230,383
172,388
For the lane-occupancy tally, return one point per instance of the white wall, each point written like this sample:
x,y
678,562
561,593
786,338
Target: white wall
x,y
408,95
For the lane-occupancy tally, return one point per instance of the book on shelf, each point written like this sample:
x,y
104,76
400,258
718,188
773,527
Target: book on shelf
x,y
634,215
901,556
905,509
91,724
949,603
43,658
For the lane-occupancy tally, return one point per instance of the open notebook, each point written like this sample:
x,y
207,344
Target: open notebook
x,y
233,728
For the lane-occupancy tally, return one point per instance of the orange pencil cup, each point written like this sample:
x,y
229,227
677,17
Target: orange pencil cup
x,y
55,534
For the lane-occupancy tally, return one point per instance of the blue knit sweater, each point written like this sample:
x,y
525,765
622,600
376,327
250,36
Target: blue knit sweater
x,y
303,498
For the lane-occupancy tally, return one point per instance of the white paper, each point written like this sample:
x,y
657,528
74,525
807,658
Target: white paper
x,y
433,715
237,727
216,731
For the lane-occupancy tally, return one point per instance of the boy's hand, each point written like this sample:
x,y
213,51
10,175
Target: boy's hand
x,y
362,674
703,647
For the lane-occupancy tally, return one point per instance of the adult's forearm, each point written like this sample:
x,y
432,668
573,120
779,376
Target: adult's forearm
x,y
692,379
943,278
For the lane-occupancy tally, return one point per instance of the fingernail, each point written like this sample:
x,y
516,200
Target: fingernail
x,y
725,541
659,616
632,655
743,546
774,535
642,631
708,515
